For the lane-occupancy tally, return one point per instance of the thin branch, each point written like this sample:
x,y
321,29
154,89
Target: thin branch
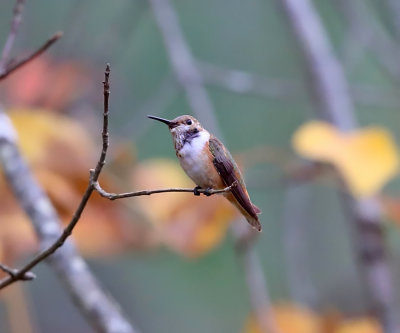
x,y
97,305
15,23
196,191
24,61
76,216
12,271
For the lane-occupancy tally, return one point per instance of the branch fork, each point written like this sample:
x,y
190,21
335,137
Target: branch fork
x,y
12,272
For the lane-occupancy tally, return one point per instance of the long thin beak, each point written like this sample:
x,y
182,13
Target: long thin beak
x,y
165,121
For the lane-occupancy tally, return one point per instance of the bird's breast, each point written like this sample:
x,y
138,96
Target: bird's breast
x,y
196,161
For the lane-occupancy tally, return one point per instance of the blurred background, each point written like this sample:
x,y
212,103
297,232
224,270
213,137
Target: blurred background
x,y
170,259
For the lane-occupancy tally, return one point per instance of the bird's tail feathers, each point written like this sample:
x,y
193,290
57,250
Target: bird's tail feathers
x,y
256,209
254,222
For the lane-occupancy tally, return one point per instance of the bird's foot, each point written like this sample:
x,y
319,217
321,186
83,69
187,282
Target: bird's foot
x,y
207,191
196,190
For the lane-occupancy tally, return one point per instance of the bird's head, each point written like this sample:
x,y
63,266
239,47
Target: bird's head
x,y
182,128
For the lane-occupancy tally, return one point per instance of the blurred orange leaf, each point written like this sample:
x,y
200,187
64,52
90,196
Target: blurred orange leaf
x,y
46,83
17,236
190,225
53,141
289,318
60,154
366,158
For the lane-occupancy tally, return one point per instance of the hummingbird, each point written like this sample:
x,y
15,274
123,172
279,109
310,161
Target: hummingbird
x,y
209,164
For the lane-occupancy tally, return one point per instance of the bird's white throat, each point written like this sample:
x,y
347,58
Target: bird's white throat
x,y
194,161
195,147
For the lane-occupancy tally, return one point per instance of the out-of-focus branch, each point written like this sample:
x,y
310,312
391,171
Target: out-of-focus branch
x,y
368,30
394,10
162,97
330,89
189,77
183,63
364,94
296,218
242,82
15,23
100,309
10,69
14,175
245,238
330,86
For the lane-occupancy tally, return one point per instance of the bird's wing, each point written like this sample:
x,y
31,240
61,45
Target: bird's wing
x,y
230,173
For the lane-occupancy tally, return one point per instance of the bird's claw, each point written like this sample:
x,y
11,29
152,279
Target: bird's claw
x,y
207,191
196,190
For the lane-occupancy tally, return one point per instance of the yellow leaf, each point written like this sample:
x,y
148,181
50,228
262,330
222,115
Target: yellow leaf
x,y
60,153
52,140
366,158
289,318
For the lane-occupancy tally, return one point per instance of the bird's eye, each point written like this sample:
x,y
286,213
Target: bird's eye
x,y
189,122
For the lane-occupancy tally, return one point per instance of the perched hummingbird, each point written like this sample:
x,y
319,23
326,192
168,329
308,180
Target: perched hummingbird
x,y
209,164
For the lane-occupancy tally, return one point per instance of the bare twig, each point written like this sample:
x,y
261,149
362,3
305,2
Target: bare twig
x,y
76,216
114,196
329,82
99,307
15,23
7,71
11,271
